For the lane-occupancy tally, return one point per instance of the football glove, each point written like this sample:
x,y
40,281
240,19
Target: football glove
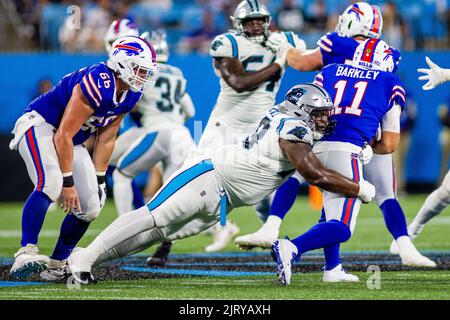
x,y
366,191
366,154
435,75
101,189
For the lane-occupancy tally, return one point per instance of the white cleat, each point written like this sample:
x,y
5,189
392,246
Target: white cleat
x,y
263,238
28,261
393,248
80,270
223,236
284,253
337,274
57,271
414,258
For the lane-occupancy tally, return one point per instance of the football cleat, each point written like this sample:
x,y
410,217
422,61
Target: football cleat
x,y
284,253
263,238
161,254
337,274
393,248
84,278
57,271
80,270
223,236
414,258
28,261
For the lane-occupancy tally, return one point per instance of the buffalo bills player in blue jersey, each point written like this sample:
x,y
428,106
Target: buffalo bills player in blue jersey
x,y
49,137
365,94
359,22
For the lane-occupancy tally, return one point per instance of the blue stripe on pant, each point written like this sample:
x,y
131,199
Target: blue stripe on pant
x,y
138,151
180,181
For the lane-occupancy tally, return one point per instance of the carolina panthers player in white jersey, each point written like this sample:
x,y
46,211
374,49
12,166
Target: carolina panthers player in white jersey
x,y
250,69
439,199
162,137
205,190
357,23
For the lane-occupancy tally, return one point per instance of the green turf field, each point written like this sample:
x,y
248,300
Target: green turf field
x,y
370,235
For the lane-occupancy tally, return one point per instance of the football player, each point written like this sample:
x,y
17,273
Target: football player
x,y
205,190
49,137
360,21
365,93
250,68
439,199
162,138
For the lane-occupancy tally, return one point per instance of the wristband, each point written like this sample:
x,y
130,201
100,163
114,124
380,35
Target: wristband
x,y
68,181
101,177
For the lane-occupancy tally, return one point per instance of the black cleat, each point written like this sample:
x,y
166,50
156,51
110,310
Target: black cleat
x,y
84,278
161,254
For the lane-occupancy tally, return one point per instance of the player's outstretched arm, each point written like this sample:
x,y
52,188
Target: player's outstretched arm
x,y
306,163
308,60
76,113
435,75
235,76
187,106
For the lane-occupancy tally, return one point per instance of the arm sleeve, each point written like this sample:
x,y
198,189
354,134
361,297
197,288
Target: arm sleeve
x,y
224,46
294,130
398,94
336,49
391,120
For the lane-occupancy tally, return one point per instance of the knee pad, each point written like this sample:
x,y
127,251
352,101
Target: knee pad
x,y
53,185
90,214
342,230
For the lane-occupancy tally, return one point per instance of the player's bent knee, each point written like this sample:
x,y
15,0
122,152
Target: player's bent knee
x,y
90,214
342,230
53,185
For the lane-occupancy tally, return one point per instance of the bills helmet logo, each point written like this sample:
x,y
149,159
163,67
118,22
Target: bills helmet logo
x,y
131,48
357,11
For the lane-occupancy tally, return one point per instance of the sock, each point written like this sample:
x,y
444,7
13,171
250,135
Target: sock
x,y
273,223
123,228
284,198
123,192
138,199
72,230
33,216
437,201
322,235
394,218
332,258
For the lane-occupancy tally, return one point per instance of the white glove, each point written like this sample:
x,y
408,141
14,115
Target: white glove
x,y
366,154
366,191
275,41
435,75
282,54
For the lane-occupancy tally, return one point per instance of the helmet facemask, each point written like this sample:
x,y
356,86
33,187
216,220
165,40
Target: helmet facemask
x,y
254,28
140,79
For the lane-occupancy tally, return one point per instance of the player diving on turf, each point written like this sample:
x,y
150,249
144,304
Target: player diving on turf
x,y
49,137
204,190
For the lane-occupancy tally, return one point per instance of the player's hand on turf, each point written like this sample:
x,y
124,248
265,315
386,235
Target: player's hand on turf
x,y
366,191
366,154
434,75
69,200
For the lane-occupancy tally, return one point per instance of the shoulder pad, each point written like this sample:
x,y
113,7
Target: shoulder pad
x,y
225,45
294,130
98,86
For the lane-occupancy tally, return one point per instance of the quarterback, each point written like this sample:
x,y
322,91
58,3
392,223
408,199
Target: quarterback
x,y
49,137
205,190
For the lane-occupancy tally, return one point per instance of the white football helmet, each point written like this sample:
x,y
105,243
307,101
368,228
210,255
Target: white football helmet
x,y
252,9
134,61
362,19
158,40
374,54
119,28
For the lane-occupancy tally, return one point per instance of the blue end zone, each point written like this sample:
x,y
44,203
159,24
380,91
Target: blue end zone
x,y
9,284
